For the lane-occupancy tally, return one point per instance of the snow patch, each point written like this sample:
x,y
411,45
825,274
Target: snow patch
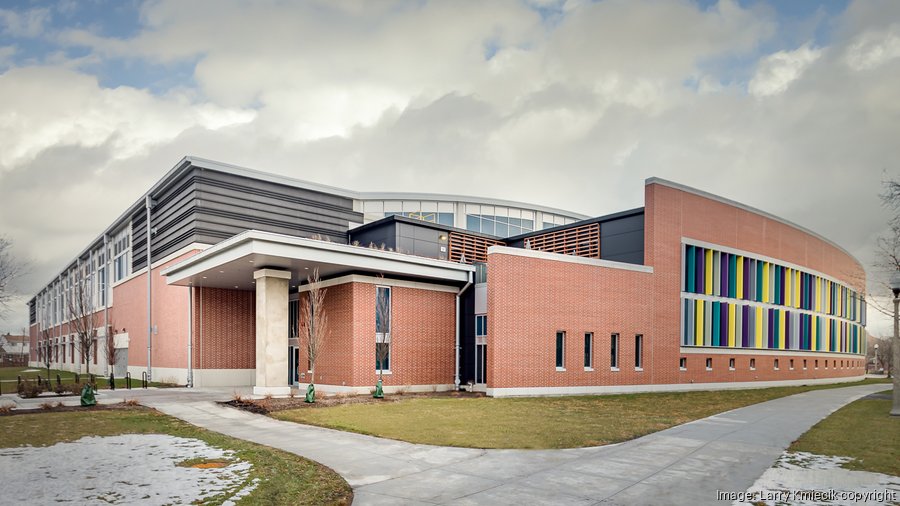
x,y
795,475
125,469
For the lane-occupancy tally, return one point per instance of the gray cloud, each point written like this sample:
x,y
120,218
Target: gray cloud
x,y
475,98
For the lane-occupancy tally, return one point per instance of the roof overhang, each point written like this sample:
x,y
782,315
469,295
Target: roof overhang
x,y
231,263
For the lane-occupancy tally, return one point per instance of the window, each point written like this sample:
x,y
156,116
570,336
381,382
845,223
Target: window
x,y
480,348
826,363
638,351
682,363
791,364
752,364
588,350
382,328
121,253
614,351
804,364
816,364
730,364
776,364
560,350
709,364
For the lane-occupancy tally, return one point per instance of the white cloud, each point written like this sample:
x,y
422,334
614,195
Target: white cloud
x,y
27,24
874,48
574,113
776,72
46,107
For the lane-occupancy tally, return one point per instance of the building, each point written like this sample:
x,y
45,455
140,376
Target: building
x,y
14,349
690,291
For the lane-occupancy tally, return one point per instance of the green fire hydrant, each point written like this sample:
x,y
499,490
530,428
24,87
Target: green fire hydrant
x,y
379,392
87,395
310,393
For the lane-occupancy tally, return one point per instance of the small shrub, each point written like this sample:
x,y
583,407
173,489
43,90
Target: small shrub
x,y
131,402
293,393
268,397
46,405
401,390
29,389
236,397
59,404
6,409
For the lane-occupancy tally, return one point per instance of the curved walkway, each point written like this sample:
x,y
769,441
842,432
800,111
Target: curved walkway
x,y
680,465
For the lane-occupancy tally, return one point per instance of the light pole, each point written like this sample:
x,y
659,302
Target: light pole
x,y
895,365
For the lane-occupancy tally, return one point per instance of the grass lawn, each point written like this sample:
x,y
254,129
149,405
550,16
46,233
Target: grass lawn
x,y
9,375
863,430
534,422
284,478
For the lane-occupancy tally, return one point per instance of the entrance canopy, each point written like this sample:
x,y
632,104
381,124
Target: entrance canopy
x,y
231,263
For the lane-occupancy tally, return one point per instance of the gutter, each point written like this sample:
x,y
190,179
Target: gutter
x,y
458,321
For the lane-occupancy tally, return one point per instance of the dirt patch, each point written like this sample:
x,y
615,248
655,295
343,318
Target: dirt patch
x,y
63,409
266,406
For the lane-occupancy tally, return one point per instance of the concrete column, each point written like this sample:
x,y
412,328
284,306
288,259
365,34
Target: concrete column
x,y
271,332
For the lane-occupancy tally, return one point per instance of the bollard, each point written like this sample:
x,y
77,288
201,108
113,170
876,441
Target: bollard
x,y
40,381
144,379
77,378
18,380
112,381
58,381
93,379
128,380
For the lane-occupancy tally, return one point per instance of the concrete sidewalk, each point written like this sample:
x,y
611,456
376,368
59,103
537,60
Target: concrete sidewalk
x,y
681,465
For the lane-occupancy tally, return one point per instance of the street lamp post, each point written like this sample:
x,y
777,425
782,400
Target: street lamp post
x,y
895,344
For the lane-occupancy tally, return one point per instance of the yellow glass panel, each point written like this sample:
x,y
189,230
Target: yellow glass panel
x,y
731,325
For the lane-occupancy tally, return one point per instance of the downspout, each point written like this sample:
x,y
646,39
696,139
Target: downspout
x,y
148,203
458,322
190,334
105,298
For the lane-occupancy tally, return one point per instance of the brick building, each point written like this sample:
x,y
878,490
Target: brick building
x,y
689,291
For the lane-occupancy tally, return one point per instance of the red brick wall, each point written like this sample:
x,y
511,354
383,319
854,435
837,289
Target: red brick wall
x,y
765,367
224,334
422,337
170,315
530,299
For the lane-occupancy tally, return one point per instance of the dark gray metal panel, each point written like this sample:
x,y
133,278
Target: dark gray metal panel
x,y
622,239
622,225
386,234
209,206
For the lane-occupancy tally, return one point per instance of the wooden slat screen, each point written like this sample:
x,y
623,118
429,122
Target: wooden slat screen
x,y
583,241
474,248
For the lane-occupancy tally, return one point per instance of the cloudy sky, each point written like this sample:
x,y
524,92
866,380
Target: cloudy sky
x,y
791,107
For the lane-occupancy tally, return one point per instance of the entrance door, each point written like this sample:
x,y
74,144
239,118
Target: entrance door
x,y
293,361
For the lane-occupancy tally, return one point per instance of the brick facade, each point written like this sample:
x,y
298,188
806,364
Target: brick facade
x,y
422,337
531,298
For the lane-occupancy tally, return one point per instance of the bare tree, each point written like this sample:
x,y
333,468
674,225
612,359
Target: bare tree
x,y
11,269
81,315
313,323
46,335
112,353
889,262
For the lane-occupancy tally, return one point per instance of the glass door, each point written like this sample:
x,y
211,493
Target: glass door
x,y
293,362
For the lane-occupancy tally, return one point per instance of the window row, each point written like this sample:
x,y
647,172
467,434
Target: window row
x,y
440,218
710,272
776,364
735,325
500,226
90,276
587,349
